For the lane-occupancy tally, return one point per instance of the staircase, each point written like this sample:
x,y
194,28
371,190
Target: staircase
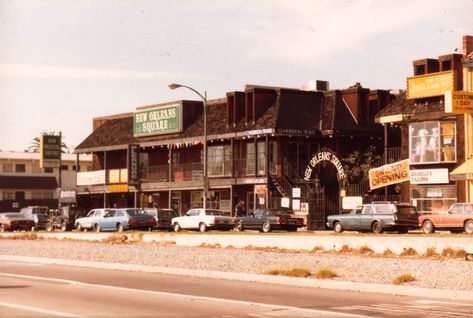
x,y
283,185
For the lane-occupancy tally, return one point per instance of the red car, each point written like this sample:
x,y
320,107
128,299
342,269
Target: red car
x,y
15,221
458,218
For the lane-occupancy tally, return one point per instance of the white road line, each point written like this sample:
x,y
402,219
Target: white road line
x,y
38,310
204,298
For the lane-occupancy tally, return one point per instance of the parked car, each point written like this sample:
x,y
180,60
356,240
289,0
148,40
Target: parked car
x,y
203,219
163,217
15,221
91,220
64,218
376,217
267,220
458,218
39,214
126,219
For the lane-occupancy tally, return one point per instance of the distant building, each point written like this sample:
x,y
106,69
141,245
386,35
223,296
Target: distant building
x,y
23,182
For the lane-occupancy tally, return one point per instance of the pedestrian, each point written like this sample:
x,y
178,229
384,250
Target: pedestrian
x,y
240,208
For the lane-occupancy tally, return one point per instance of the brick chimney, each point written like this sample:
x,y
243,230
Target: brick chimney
x,y
467,45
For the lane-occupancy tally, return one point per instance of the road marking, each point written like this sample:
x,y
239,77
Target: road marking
x,y
191,297
38,310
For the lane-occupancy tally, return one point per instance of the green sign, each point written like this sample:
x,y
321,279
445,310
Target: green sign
x,y
157,121
50,148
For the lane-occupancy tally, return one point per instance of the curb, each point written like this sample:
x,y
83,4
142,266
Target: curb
x,y
259,278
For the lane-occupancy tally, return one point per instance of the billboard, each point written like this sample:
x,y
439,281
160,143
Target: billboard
x,y
50,150
157,121
428,85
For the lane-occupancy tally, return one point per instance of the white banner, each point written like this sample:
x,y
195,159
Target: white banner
x,y
91,178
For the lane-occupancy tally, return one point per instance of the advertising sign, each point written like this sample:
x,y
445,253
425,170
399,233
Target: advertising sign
x,y
285,202
50,149
133,164
429,176
389,174
157,121
296,192
303,209
349,203
459,102
428,85
91,177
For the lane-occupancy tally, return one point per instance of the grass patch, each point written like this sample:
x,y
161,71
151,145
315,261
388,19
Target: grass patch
x,y
409,252
453,253
346,249
365,250
406,278
116,239
294,272
23,236
388,252
325,273
318,249
431,252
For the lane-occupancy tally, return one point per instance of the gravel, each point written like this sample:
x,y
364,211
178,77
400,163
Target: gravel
x,y
452,274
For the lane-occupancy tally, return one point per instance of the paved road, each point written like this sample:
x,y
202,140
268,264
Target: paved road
x,y
51,290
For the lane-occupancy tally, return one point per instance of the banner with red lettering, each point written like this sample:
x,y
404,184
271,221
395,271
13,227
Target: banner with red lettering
x,y
389,174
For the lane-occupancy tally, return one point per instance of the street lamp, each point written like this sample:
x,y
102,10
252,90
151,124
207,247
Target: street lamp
x,y
204,100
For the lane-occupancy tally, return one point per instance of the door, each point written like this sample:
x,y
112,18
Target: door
x,y
363,221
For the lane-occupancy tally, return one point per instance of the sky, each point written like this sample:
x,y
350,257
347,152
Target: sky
x,y
65,62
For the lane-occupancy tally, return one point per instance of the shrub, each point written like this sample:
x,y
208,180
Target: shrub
x,y
388,252
365,250
431,252
409,252
346,249
325,273
453,253
406,278
294,272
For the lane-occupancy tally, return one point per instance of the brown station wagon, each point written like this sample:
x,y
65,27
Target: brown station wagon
x,y
458,218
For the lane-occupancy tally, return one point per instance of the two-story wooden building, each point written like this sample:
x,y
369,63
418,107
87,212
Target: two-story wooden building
x,y
262,143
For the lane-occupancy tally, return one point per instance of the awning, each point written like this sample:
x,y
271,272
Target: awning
x,y
463,171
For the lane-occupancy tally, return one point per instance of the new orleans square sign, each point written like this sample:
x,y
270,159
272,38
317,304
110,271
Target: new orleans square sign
x,y
157,121
324,156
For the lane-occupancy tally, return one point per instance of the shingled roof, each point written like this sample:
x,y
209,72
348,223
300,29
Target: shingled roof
x,y
402,105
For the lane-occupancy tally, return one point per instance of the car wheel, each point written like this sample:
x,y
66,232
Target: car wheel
x,y
97,228
428,227
79,227
239,226
176,227
202,227
376,228
469,227
64,226
337,227
266,228
49,227
2,228
120,227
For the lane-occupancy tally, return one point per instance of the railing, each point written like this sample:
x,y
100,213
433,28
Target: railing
x,y
187,172
156,173
393,154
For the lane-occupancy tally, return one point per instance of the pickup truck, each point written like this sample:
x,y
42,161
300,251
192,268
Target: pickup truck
x,y
39,214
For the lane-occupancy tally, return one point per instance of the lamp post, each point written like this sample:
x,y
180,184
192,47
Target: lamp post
x,y
204,100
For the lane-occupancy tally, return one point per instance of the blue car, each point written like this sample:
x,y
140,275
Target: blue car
x,y
116,220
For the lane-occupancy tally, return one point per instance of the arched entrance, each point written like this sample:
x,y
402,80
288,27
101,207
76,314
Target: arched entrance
x,y
325,178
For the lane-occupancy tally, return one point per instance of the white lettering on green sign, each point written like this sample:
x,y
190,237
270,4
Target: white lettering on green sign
x,y
156,121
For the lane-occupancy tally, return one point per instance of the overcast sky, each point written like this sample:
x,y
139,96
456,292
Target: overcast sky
x,y
62,63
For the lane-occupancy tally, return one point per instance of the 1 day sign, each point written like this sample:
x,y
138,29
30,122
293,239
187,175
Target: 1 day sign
x,y
459,102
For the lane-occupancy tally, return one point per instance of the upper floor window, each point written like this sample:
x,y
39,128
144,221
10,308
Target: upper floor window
x,y
20,168
220,160
432,142
7,167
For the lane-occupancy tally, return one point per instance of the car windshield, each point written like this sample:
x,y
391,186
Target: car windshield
x,y
214,212
135,212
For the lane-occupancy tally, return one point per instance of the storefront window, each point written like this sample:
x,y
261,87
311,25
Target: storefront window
x,y
432,142
433,199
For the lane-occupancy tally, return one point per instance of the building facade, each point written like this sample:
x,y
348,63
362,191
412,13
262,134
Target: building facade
x,y
268,146
24,183
436,139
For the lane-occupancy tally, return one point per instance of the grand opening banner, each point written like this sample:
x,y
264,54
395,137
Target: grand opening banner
x,y
389,174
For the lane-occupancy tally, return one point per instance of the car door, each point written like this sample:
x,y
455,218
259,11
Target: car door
x,y
186,222
108,221
363,221
257,220
454,216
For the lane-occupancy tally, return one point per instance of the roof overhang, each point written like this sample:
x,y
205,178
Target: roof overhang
x,y
463,171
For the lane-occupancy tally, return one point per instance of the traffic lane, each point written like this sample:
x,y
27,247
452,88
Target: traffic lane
x,y
310,298
62,298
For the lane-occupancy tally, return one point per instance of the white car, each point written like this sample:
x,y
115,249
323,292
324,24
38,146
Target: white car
x,y
90,222
203,219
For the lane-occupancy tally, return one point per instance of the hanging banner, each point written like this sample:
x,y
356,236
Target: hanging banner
x,y
133,164
389,174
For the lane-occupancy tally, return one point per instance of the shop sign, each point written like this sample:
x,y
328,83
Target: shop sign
x,y
50,150
296,131
117,188
296,204
389,174
133,164
157,121
324,156
91,177
350,203
117,176
296,192
256,132
67,196
285,202
428,85
429,176
260,189
459,102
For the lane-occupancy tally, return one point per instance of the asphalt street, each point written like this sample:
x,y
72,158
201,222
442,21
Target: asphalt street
x,y
33,290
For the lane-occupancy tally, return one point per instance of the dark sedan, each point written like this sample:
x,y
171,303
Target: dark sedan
x,y
266,220
15,221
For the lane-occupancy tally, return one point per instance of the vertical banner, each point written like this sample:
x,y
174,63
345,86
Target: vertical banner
x,y
50,150
133,164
